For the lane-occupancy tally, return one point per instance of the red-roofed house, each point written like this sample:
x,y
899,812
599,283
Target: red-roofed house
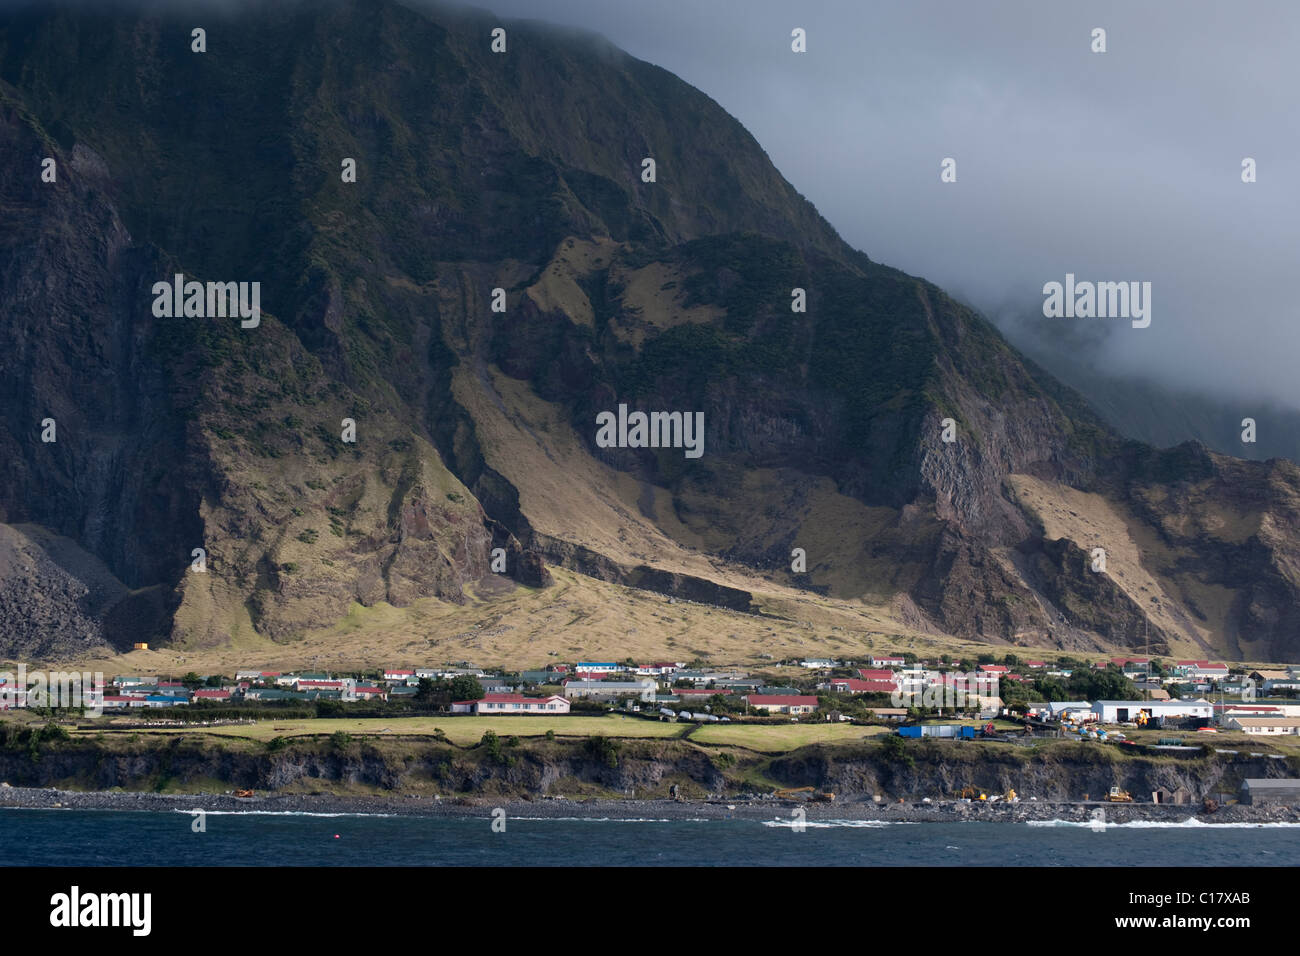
x,y
507,704
222,693
1035,664
366,692
782,703
994,668
303,684
867,673
851,685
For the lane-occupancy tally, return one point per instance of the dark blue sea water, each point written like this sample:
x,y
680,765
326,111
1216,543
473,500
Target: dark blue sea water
x,y
95,837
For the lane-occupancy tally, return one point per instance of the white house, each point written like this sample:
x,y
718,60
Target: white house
x,y
783,703
597,667
1264,725
511,704
884,661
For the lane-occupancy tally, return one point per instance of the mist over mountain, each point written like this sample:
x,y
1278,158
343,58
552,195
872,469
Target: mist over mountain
x,y
502,270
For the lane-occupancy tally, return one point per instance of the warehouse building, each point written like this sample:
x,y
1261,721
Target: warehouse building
x,y
1284,792
1122,711
643,689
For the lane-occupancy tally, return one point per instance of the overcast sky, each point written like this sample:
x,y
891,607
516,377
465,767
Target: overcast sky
x,y
1117,166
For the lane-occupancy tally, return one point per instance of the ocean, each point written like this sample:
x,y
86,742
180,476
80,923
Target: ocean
x,y
150,838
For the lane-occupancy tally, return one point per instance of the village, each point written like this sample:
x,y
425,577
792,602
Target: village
x,y
1145,707
1192,694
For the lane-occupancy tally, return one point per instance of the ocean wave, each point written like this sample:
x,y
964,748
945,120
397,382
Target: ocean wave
x,y
1160,824
833,824
616,819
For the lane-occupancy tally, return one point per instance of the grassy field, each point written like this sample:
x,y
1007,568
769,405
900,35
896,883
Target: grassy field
x,y
777,738
466,731
463,731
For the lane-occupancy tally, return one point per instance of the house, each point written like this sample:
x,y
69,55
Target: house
x,y
369,692
870,673
890,713
885,661
995,669
1224,711
399,676
511,704
818,663
1284,791
304,683
118,702
1202,670
1262,677
597,667
742,684
851,685
1078,709
643,689
1036,665
1289,726
222,693
658,669
782,704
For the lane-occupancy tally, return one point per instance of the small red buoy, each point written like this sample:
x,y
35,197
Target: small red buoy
x,y
336,836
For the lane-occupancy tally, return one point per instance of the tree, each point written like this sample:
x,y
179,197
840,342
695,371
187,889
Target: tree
x,y
426,692
192,680
465,687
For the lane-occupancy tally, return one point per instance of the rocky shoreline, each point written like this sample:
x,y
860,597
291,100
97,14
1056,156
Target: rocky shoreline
x,y
953,811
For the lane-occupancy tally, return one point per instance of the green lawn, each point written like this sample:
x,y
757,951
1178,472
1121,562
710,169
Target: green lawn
x,y
775,738
459,730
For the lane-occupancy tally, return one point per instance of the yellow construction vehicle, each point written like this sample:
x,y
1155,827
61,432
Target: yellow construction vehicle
x,y
1117,795
782,794
970,793
823,797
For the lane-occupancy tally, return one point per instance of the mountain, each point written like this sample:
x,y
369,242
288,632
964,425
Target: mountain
x,y
476,429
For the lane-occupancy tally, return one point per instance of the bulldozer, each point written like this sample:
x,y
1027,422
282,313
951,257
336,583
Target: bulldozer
x,y
824,797
1117,795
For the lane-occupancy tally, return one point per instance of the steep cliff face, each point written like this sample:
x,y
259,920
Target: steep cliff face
x,y
824,425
